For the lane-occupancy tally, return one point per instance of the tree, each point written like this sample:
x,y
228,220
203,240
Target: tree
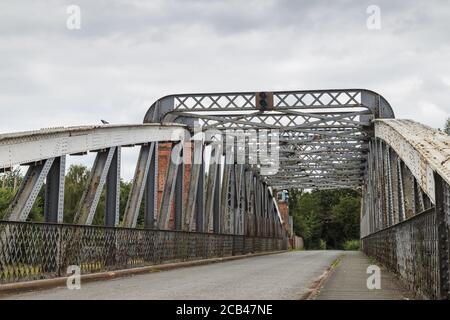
x,y
325,217
11,179
305,208
447,126
74,186
6,195
10,182
75,183
346,215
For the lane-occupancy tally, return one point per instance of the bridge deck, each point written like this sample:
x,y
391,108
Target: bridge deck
x,y
279,276
349,281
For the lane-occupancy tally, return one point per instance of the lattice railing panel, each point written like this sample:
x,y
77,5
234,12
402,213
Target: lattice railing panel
x,y
30,251
409,249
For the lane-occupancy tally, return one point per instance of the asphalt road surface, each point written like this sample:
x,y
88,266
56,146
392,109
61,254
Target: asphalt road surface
x,y
286,275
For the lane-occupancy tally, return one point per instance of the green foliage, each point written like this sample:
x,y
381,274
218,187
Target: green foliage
x,y
125,188
352,245
75,183
11,179
447,126
325,218
37,211
6,196
345,216
322,244
9,183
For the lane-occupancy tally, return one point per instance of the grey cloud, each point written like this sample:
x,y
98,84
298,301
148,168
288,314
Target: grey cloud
x,y
129,53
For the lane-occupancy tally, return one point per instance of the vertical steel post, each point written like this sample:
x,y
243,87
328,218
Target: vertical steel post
x,y
169,187
257,205
199,204
138,186
178,199
150,192
225,188
216,195
211,188
196,173
401,191
54,191
113,191
409,191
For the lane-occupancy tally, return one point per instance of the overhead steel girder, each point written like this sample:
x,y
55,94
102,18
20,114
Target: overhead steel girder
x,y
314,127
320,166
240,101
317,140
309,171
274,121
329,176
355,185
287,146
323,137
312,178
304,153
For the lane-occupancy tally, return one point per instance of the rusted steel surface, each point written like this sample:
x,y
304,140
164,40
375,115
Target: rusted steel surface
x,y
422,149
30,251
406,205
410,249
30,146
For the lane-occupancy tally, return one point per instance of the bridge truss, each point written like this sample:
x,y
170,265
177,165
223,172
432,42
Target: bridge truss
x,y
207,177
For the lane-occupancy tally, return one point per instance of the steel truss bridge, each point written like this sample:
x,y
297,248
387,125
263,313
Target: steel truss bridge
x,y
206,208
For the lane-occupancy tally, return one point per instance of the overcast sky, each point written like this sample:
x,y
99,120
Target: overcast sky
x,y
128,53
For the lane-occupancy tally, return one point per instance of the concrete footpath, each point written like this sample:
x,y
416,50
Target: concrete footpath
x,y
348,281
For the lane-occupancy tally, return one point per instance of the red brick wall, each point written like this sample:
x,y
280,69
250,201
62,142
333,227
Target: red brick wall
x,y
284,212
164,152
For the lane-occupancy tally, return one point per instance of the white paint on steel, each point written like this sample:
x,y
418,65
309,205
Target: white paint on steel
x,y
62,172
100,186
424,150
142,186
117,207
27,147
35,190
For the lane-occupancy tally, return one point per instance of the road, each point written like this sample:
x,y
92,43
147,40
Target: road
x,y
286,275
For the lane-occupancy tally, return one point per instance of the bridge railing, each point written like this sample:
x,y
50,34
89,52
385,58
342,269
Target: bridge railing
x,y
410,249
30,251
405,221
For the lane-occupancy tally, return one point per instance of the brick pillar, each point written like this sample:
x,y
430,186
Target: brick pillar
x,y
164,152
284,212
